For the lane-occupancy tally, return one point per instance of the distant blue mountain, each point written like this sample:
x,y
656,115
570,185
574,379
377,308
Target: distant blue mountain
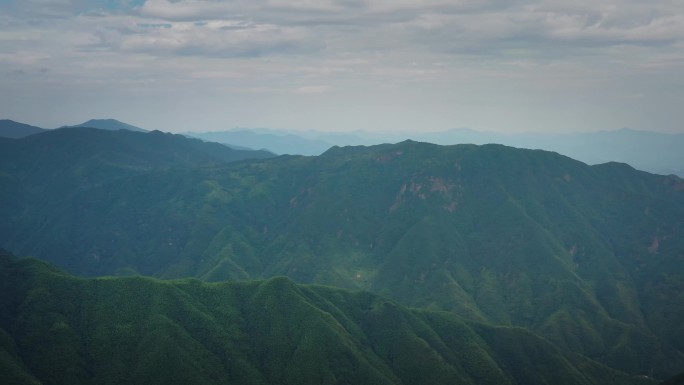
x,y
654,152
109,124
271,140
648,151
16,130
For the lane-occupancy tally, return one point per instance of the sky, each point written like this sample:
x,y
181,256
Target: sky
x,y
343,65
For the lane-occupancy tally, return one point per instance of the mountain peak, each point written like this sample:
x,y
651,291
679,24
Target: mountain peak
x,y
109,124
11,129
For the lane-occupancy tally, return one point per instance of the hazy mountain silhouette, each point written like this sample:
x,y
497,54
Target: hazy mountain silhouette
x,y
109,124
12,129
649,151
279,143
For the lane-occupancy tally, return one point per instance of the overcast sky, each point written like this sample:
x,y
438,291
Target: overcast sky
x,y
340,65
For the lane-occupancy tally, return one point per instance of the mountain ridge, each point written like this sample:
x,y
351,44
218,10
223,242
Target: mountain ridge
x,y
108,124
654,152
279,143
11,129
112,330
650,151
585,256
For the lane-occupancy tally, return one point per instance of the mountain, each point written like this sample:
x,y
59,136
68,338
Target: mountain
x,y
587,257
84,152
649,151
44,170
109,124
271,140
59,329
12,129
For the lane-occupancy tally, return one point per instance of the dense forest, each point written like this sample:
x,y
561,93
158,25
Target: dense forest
x,y
498,264
56,328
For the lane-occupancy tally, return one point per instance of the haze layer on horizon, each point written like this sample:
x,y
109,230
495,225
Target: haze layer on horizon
x,y
375,65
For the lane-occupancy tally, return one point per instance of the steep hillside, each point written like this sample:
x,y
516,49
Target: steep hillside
x,y
590,258
58,329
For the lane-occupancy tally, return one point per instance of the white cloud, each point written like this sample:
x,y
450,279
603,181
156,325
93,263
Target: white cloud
x,y
542,29
356,48
304,90
223,38
188,10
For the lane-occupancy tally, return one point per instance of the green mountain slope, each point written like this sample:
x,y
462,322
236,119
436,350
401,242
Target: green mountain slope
x,y
66,147
590,258
64,160
64,330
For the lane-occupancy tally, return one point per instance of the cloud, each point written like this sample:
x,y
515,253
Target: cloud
x,y
188,10
46,8
356,48
613,25
221,38
539,30
305,90
334,41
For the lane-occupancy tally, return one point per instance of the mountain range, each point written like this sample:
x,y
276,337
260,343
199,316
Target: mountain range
x,y
59,329
277,142
654,152
16,130
587,258
649,151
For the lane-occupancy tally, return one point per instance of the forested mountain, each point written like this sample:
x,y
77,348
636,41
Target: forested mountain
x,y
58,329
16,130
588,257
85,152
654,152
